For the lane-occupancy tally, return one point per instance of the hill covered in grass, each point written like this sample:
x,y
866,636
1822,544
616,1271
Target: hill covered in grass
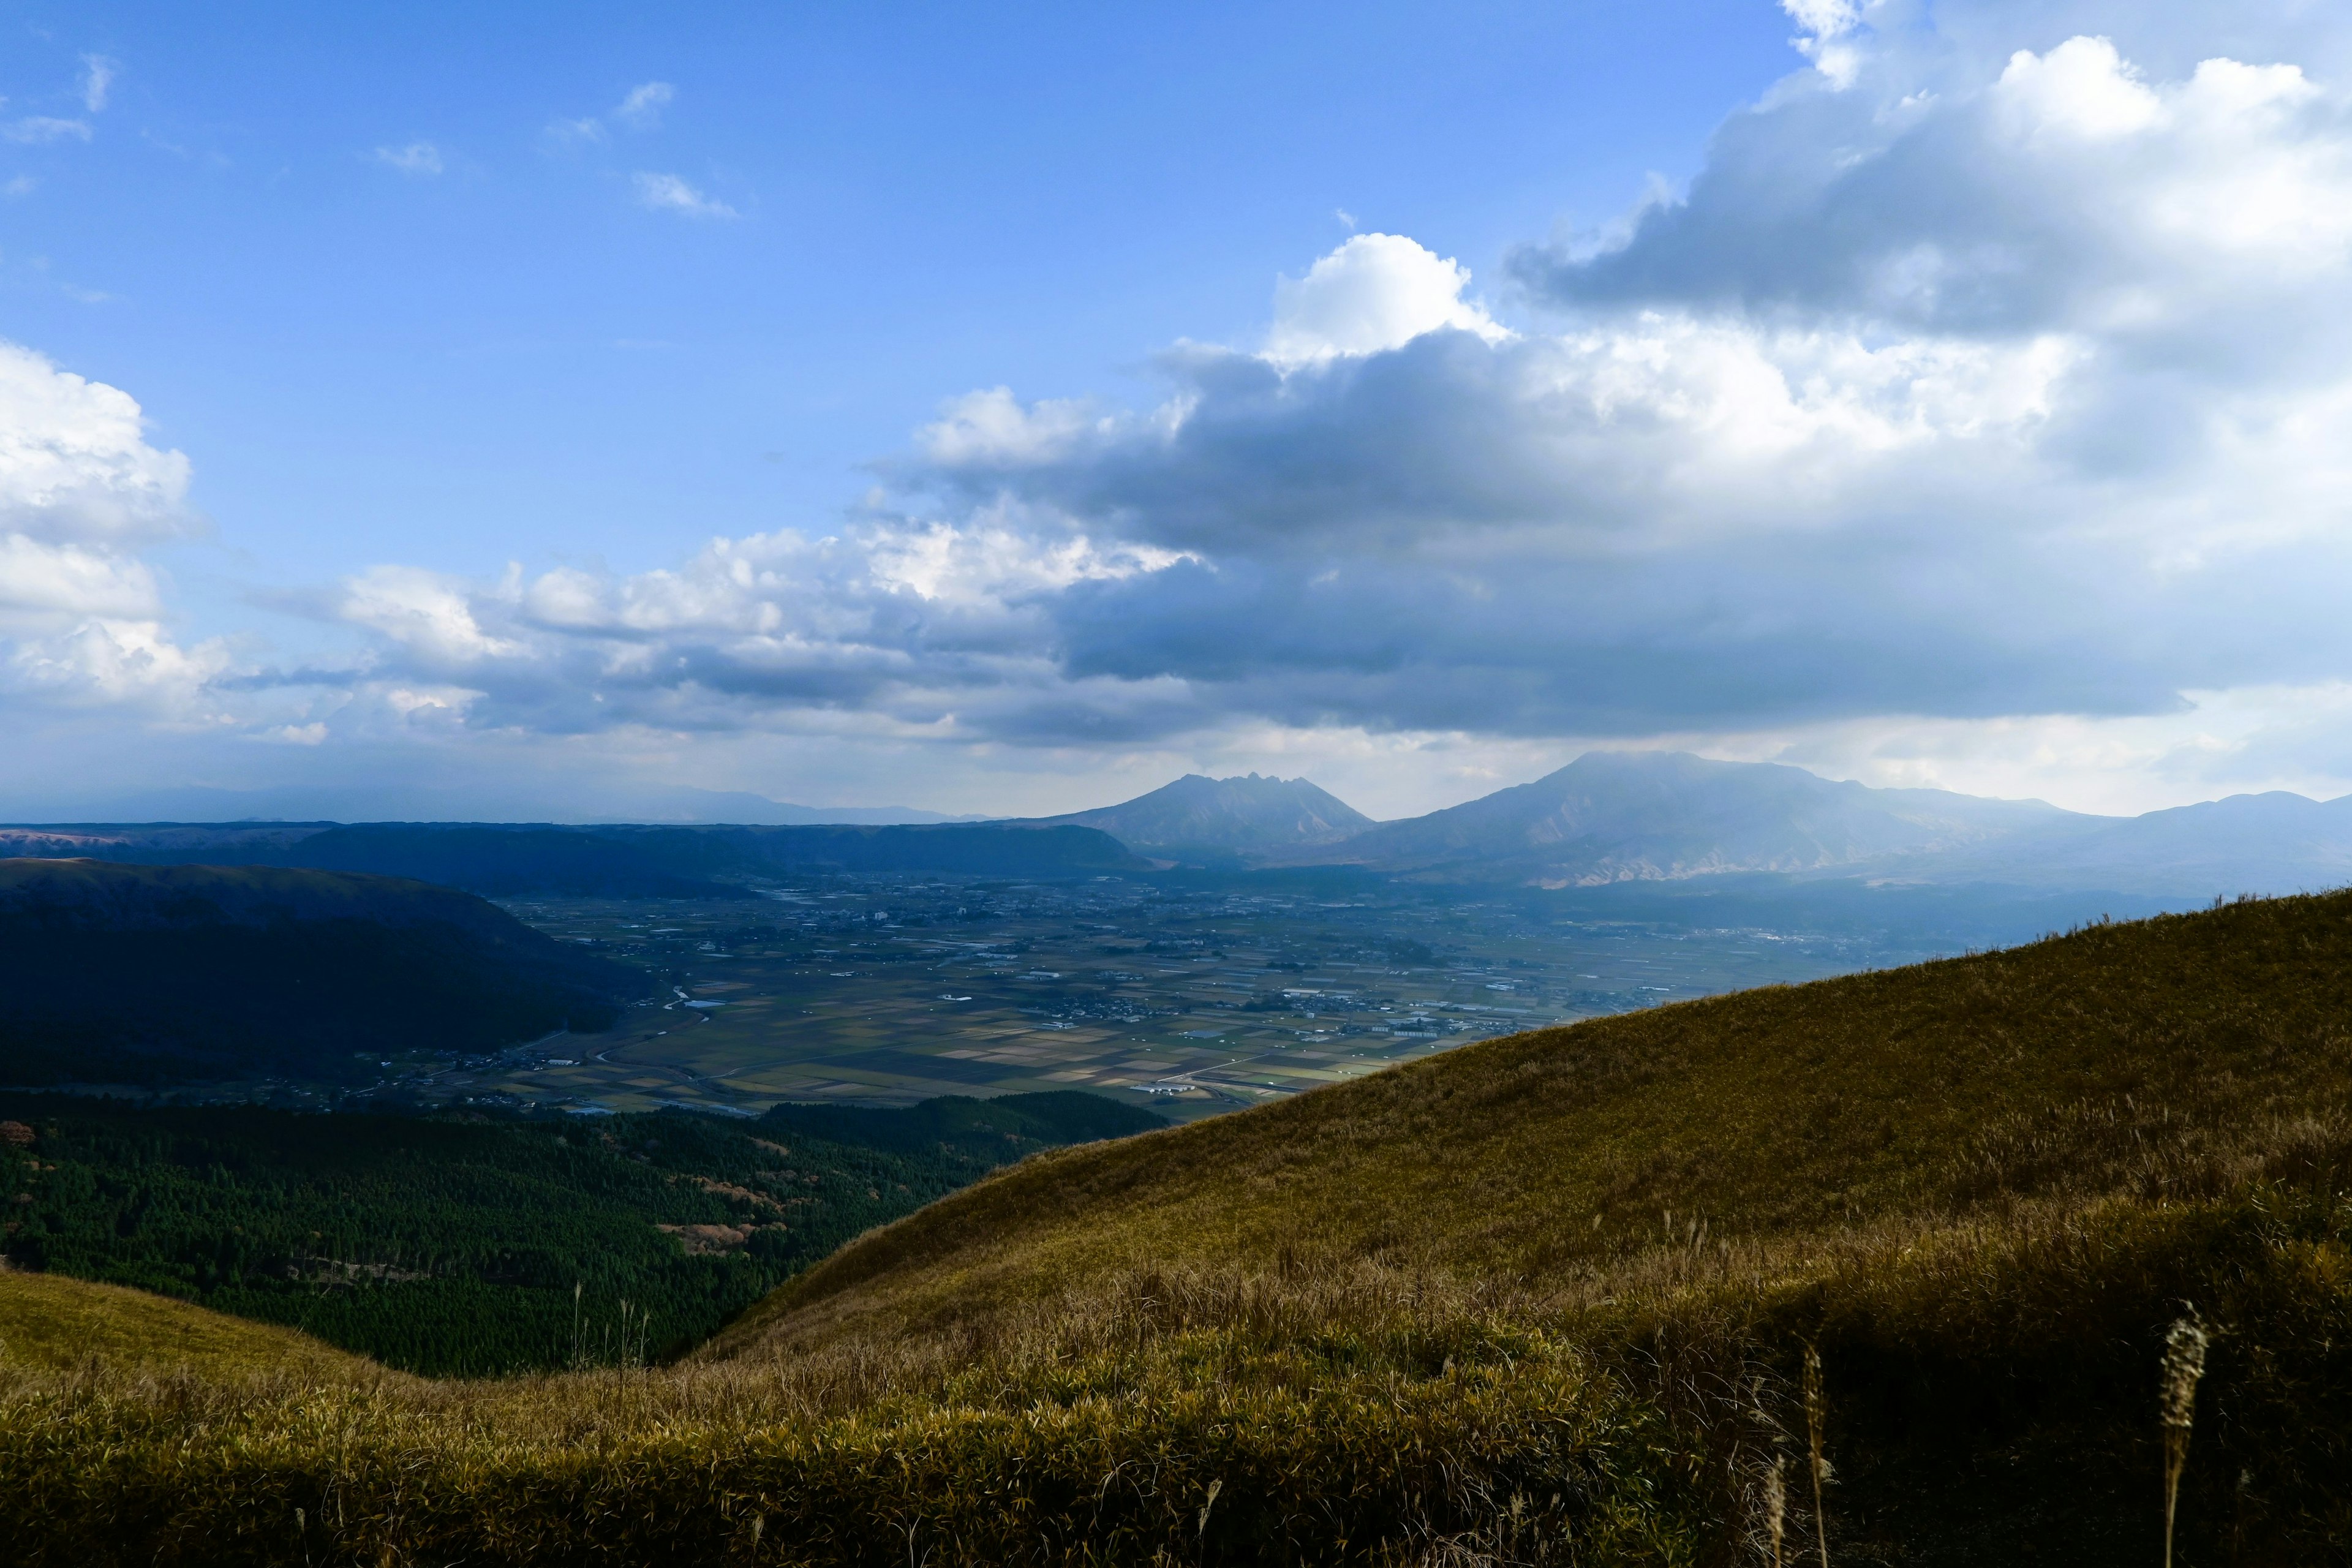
x,y
143,974
1544,1300
52,1322
2067,1067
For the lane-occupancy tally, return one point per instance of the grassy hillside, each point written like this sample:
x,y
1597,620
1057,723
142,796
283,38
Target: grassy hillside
x,y
2061,1069
119,973
471,1245
1545,1299
51,1323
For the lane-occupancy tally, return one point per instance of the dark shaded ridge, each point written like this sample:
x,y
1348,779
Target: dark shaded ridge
x,y
153,974
501,860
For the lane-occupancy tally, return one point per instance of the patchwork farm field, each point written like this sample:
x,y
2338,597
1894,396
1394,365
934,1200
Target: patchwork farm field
x,y
1191,998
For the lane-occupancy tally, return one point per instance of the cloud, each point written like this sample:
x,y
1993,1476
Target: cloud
x,y
97,74
1377,291
82,494
41,130
1965,385
667,193
418,158
2068,191
586,130
2013,393
1989,384
642,108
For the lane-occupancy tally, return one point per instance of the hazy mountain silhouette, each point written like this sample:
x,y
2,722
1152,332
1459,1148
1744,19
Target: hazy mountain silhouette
x,y
614,861
1631,816
1248,814
2271,843
1615,817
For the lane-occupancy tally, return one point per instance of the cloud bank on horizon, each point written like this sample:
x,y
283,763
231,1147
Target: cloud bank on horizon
x,y
1993,372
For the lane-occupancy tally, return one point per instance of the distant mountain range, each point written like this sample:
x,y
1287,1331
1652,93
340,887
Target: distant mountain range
x,y
1648,816
1251,815
1608,820
396,803
620,861
1618,816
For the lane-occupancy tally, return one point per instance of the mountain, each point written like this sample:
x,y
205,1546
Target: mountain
x,y
2273,843
705,805
1615,817
590,800
635,860
113,973
1196,812
503,862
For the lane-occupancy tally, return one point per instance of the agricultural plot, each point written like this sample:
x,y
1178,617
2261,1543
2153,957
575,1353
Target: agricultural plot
x,y
1191,998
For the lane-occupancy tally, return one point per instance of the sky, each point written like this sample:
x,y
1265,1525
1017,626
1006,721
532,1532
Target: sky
x,y
420,411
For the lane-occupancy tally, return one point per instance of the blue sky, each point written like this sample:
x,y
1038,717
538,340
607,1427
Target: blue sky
x,y
1005,408
506,355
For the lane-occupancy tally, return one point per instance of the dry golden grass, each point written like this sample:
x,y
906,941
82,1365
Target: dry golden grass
x,y
52,1323
2120,1058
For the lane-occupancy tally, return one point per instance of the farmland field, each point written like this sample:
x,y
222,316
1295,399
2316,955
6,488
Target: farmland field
x,y
1190,997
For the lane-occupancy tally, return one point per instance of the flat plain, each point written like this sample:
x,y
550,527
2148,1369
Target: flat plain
x,y
1193,997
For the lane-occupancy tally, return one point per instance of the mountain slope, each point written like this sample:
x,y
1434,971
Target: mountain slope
x,y
1197,812
1891,1093
116,974
50,1322
1612,816
2272,844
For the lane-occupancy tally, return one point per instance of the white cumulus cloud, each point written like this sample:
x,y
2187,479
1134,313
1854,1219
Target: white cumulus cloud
x,y
82,493
1377,291
1989,384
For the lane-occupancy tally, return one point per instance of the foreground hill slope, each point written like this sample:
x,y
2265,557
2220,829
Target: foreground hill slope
x,y
1549,1299
2058,1069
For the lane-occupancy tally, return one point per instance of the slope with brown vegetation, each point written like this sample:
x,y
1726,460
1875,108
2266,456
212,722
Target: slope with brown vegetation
x,y
1544,1300
50,1323
2122,1058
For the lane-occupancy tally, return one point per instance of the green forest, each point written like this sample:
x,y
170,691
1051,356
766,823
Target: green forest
x,y
471,1244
